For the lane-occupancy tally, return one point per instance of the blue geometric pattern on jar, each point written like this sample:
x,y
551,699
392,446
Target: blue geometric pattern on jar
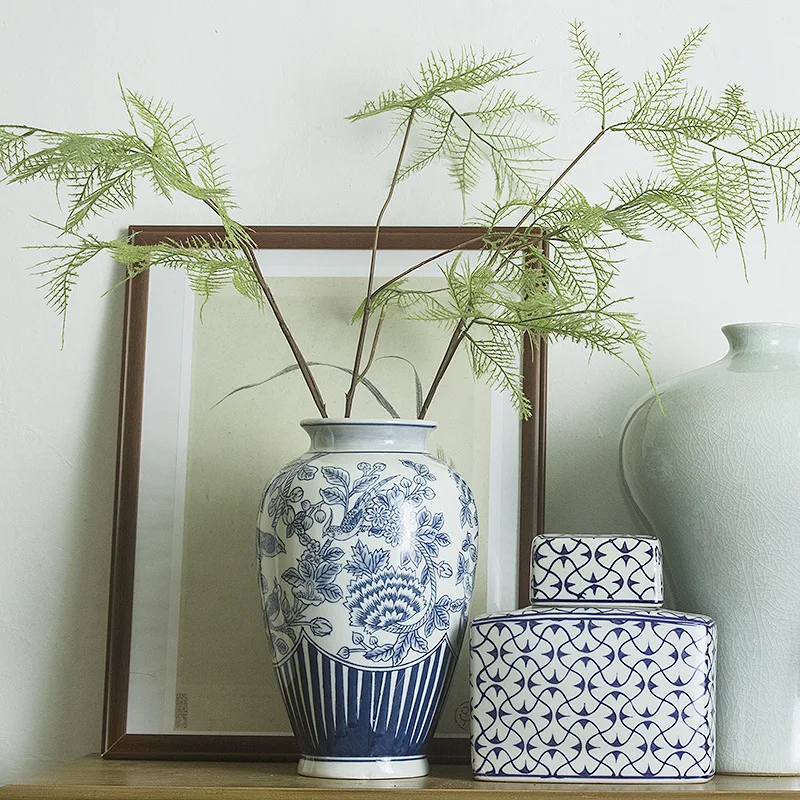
x,y
595,693
596,569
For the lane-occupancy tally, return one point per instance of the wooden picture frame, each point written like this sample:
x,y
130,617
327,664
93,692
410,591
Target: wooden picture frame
x,y
118,740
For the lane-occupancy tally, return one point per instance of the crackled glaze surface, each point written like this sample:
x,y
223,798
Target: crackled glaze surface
x,y
367,548
716,476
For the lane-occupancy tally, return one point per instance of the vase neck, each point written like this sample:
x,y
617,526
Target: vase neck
x,y
368,435
763,346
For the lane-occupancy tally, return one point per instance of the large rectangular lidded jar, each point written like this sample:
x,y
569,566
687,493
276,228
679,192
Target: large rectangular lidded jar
x,y
594,682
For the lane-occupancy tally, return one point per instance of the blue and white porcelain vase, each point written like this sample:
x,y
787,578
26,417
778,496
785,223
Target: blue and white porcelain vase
x,y
595,682
367,547
715,472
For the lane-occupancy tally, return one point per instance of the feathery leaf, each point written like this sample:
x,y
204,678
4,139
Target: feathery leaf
x,y
598,91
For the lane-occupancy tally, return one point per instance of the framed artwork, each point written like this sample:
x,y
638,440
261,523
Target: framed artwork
x,y
188,668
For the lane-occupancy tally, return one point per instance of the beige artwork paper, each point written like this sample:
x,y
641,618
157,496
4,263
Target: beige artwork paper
x,y
225,680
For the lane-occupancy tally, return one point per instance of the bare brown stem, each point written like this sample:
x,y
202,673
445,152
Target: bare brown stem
x,y
374,348
422,263
513,231
362,335
449,354
305,370
542,197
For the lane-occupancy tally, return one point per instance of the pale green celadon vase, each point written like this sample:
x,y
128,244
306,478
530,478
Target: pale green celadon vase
x,y
716,477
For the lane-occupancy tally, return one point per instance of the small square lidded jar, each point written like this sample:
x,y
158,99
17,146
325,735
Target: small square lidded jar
x,y
594,681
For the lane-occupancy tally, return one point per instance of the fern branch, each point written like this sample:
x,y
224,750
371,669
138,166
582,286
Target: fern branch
x,y
719,170
601,92
101,170
668,82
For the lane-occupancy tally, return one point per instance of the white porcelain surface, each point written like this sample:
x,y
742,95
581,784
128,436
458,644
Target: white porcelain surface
x,y
363,769
367,548
597,569
587,693
717,476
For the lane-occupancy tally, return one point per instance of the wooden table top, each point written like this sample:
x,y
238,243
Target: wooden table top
x,y
93,778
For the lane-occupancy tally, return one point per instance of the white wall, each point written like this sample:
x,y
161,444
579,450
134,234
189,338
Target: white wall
x,y
274,81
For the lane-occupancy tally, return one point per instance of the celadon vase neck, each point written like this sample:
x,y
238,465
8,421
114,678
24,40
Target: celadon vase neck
x,y
368,435
763,346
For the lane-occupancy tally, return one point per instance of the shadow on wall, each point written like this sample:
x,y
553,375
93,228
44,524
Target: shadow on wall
x,y
70,708
584,489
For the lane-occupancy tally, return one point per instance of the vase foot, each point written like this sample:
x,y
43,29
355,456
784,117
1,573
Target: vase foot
x,y
363,768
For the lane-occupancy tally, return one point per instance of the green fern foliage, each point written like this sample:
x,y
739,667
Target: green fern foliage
x,y
98,173
719,170
488,133
551,253
602,91
661,87
209,265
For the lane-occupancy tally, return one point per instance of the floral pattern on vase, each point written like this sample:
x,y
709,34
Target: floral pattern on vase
x,y
367,562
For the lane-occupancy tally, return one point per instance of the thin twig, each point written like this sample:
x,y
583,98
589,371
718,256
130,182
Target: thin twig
x,y
370,282
401,275
542,197
305,370
452,348
374,347
511,234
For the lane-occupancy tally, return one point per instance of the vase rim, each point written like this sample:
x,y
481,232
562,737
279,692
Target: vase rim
x,y
340,435
354,421
735,325
760,340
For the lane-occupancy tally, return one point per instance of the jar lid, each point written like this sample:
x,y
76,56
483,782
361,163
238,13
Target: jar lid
x,y
596,570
